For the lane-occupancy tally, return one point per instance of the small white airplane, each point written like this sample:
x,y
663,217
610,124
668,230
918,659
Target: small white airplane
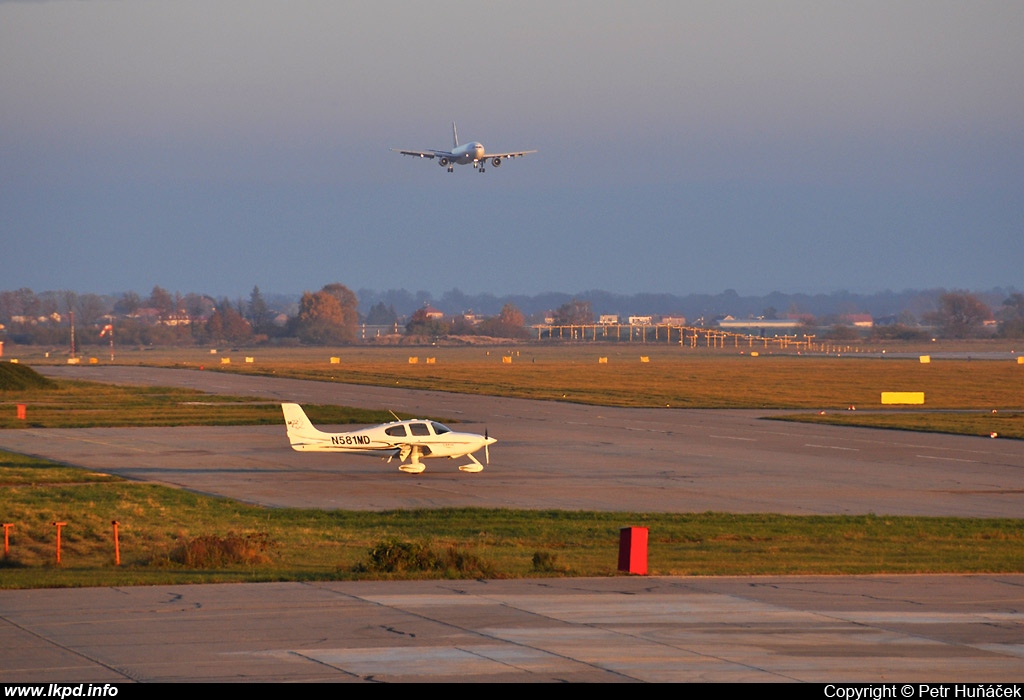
x,y
406,439
463,155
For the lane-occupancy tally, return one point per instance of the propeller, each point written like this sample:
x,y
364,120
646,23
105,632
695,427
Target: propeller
x,y
487,451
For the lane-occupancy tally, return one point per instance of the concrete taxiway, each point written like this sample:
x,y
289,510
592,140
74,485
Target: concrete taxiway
x,y
549,455
553,455
816,629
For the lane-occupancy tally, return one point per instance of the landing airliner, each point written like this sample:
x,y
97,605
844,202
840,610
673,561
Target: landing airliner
x,y
465,154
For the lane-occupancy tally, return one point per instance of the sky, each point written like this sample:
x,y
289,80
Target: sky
x,y
683,147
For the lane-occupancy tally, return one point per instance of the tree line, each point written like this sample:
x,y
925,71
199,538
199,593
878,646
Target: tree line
x,y
330,316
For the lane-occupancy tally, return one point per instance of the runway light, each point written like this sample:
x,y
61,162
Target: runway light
x,y
993,435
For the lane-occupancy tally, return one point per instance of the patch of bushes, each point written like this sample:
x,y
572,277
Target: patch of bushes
x,y
215,551
547,563
403,557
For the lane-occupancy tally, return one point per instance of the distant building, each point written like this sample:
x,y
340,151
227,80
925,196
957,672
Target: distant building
x,y
640,320
674,320
759,326
432,313
858,320
608,319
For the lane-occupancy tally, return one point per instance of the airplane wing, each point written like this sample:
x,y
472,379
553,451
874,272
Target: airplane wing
x,y
424,154
513,154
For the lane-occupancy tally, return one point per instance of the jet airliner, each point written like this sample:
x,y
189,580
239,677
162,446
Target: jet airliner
x,y
465,154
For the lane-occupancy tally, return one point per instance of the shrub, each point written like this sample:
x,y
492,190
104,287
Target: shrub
x,y
402,557
214,551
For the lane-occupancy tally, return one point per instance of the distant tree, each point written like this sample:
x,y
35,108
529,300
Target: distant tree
x,y
574,313
329,316
381,314
257,312
898,331
89,308
461,325
960,315
842,332
162,300
48,304
348,301
510,323
68,301
21,302
1011,317
227,325
198,306
421,324
128,304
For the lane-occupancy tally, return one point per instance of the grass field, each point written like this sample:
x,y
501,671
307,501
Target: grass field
x,y
960,395
172,536
156,524
671,378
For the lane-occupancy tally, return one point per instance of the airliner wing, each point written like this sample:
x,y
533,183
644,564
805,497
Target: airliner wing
x,y
513,154
424,154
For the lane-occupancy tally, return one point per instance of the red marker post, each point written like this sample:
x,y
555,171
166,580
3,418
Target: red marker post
x,y
7,541
633,550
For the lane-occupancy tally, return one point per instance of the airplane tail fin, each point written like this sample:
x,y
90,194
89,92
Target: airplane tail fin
x,y
455,136
301,433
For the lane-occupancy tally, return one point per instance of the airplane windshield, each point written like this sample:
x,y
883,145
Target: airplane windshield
x,y
440,429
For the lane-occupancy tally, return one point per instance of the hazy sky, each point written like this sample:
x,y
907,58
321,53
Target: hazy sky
x,y
213,145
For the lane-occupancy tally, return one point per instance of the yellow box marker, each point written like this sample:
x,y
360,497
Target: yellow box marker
x,y
925,359
754,354
431,360
1020,360
93,361
506,360
225,360
645,358
335,360
602,360
414,360
250,360
906,397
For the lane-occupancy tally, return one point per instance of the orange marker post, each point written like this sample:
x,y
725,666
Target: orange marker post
x,y
117,545
7,541
58,526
